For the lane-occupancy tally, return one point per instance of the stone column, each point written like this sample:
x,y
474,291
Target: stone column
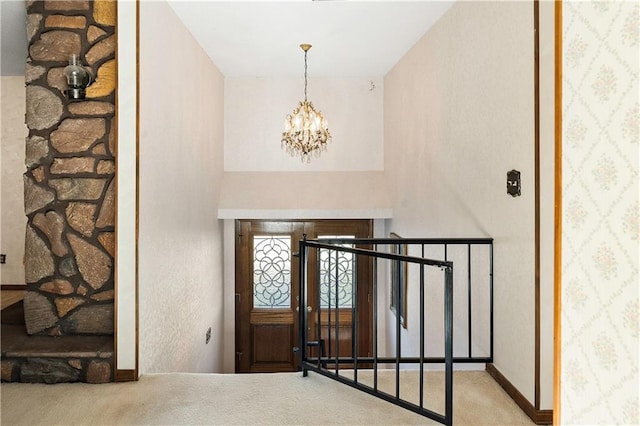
x,y
70,160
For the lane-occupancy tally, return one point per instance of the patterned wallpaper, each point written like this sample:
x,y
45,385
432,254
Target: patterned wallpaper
x,y
601,121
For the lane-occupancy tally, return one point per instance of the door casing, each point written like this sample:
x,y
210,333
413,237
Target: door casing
x,y
265,338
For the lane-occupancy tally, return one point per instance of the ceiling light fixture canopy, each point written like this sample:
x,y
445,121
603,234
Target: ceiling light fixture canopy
x,y
306,131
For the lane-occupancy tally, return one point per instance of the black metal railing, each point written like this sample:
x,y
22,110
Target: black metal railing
x,y
321,352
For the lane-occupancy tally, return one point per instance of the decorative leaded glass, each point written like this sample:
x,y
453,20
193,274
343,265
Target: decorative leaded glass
x,y
344,266
271,271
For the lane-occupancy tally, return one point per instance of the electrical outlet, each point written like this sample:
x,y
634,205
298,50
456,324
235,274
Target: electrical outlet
x,y
208,335
3,258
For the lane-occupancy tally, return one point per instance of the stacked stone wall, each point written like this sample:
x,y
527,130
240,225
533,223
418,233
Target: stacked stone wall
x,y
70,161
88,368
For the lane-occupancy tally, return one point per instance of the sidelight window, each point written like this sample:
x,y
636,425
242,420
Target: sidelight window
x,y
343,266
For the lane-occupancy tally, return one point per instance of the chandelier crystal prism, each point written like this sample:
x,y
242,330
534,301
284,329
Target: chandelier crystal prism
x,y
306,132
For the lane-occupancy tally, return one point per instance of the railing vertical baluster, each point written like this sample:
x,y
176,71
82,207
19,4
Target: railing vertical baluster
x,y
375,321
328,278
396,296
337,318
469,296
354,317
422,332
319,311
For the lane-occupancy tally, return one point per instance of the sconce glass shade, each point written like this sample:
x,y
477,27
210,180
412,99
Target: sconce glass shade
x,y
78,78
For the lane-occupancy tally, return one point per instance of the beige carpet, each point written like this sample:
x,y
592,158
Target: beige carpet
x,y
171,399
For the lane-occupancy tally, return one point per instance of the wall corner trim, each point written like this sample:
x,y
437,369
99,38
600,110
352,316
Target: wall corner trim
x,y
539,417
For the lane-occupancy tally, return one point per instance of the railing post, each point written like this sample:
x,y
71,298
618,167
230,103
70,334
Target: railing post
x,y
448,344
302,311
491,301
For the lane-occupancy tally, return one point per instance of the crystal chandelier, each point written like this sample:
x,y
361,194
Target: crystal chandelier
x,y
305,130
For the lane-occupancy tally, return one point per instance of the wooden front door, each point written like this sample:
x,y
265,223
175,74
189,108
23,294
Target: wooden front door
x,y
267,293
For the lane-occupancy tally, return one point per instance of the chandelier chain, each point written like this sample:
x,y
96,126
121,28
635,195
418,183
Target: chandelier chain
x,y
305,75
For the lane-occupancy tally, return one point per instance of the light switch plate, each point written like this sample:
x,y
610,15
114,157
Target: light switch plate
x,y
513,183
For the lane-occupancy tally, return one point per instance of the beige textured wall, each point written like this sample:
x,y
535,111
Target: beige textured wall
x,y
181,166
352,106
13,219
601,121
458,115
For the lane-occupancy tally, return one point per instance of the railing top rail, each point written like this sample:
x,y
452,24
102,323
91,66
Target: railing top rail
x,y
371,241
373,253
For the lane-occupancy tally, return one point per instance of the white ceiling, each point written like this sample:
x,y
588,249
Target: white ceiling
x,y
262,38
349,38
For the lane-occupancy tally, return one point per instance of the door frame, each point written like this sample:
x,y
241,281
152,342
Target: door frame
x,y
234,231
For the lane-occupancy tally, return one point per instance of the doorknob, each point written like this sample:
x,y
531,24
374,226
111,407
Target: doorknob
x,y
309,309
